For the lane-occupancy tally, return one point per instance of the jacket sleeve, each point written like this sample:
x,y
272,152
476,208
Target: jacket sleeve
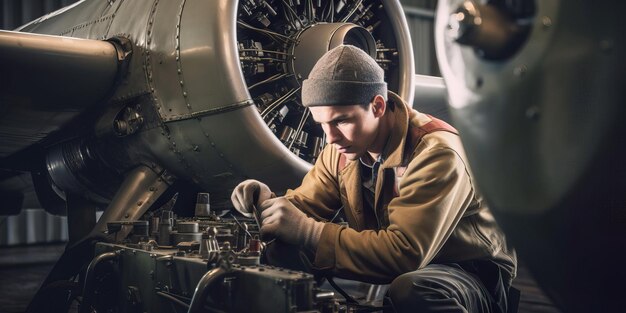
x,y
318,195
434,192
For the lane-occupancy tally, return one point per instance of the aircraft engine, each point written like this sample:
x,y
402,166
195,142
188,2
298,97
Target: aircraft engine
x,y
205,92
535,89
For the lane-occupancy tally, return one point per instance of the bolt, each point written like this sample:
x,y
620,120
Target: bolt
x,y
139,203
546,22
519,70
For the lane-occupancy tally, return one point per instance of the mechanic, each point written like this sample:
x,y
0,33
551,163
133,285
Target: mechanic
x,y
415,218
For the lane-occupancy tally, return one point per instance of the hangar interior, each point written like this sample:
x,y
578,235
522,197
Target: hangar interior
x,y
50,171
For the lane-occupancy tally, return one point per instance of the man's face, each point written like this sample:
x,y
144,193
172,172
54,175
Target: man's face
x,y
351,129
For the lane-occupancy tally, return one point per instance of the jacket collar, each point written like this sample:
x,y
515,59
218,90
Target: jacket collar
x,y
394,150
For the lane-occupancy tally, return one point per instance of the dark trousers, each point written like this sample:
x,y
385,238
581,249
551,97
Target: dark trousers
x,y
474,287
449,288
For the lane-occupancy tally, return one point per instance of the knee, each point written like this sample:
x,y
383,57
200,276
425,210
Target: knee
x,y
401,288
412,292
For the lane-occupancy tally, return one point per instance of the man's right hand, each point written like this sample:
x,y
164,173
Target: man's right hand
x,y
247,193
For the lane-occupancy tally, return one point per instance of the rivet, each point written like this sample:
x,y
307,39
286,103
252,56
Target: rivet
x,y
519,70
546,22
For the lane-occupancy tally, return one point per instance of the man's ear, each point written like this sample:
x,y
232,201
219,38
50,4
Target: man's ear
x,y
379,106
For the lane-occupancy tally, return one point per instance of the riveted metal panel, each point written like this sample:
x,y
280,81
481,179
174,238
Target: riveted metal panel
x,y
85,19
132,19
209,59
162,59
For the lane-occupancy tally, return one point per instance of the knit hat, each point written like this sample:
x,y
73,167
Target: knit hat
x,y
345,75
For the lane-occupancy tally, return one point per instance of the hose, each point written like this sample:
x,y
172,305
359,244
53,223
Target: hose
x,y
85,306
204,286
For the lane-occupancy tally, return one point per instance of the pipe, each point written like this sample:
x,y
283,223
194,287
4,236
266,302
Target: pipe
x,y
40,69
173,299
140,189
85,306
204,286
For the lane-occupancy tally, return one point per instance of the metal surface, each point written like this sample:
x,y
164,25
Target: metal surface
x,y
188,81
544,99
316,40
192,104
208,281
90,282
50,65
543,132
431,97
490,31
229,287
140,189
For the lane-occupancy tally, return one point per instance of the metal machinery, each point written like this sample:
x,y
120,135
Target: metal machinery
x,y
536,91
183,91
204,263
116,105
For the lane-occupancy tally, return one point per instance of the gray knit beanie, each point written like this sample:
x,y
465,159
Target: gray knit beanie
x,y
345,75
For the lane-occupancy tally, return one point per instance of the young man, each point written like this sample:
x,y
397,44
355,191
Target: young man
x,y
415,218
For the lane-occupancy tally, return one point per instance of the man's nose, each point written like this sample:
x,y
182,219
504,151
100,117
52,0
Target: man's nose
x,y
332,135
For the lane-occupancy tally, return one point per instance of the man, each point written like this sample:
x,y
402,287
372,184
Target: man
x,y
415,218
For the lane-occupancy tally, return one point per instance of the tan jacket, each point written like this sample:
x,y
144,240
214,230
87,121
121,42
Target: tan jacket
x,y
436,217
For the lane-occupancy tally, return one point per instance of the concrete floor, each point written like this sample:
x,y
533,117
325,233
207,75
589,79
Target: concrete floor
x,y
22,269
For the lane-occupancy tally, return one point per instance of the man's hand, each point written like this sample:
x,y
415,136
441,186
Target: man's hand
x,y
247,193
281,219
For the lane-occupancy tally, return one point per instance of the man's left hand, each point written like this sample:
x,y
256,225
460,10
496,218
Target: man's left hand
x,y
281,219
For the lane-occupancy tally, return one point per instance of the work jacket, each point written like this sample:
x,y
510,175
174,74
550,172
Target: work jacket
x,y
426,207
